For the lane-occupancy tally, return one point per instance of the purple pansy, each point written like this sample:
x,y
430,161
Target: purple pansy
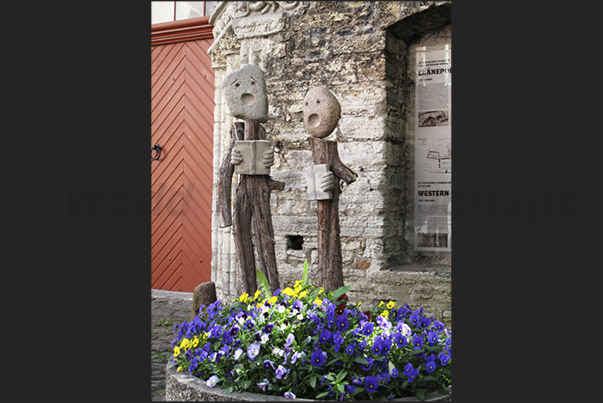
x,y
253,350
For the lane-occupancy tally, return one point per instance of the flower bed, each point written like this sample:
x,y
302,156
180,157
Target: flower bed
x,y
302,342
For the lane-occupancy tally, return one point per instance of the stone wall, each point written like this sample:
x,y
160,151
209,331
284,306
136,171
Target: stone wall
x,y
360,51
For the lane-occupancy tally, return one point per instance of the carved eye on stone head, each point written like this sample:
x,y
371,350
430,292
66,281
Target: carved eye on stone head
x,y
317,101
237,85
253,83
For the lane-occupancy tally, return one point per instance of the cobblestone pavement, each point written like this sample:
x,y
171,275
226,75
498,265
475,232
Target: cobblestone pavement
x,y
167,309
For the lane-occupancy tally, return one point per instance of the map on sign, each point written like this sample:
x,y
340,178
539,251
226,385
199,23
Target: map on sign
x,y
439,156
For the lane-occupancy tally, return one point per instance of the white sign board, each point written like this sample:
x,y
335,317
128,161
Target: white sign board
x,y
433,150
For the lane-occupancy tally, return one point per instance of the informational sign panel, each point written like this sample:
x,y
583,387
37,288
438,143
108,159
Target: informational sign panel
x,y
433,150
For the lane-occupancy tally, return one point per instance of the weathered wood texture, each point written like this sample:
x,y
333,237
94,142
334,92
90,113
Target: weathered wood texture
x,y
330,270
251,208
225,175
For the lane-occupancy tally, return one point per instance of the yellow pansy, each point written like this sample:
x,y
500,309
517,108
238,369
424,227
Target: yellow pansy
x,y
243,297
272,300
195,342
256,295
385,314
205,335
298,283
318,301
303,294
288,291
297,290
185,343
391,304
381,304
180,369
176,351
321,291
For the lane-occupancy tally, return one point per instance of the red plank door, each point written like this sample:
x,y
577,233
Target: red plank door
x,y
182,105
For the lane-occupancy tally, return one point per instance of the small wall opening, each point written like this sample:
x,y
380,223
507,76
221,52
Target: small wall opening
x,y
295,242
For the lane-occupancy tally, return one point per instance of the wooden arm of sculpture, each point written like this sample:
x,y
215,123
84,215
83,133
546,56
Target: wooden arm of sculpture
x,y
325,152
225,178
275,185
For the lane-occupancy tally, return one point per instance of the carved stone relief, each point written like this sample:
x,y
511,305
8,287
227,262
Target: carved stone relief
x,y
238,20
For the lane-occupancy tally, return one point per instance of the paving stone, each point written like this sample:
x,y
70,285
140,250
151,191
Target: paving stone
x,y
165,313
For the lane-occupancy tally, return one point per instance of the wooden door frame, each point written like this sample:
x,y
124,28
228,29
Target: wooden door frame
x,y
182,30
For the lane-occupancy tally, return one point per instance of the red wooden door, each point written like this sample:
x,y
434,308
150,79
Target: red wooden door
x,y
182,105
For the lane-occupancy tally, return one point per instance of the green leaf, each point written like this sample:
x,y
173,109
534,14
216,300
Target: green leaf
x,y
361,360
390,366
313,381
421,394
340,388
341,376
228,390
339,292
404,384
323,394
443,392
305,274
428,378
264,283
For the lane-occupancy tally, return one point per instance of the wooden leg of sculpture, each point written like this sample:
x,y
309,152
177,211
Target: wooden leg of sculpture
x,y
242,238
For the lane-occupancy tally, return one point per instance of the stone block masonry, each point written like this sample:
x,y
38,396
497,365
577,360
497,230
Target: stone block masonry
x,y
361,53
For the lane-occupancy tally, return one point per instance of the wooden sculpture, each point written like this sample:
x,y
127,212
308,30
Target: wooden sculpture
x,y
321,115
251,156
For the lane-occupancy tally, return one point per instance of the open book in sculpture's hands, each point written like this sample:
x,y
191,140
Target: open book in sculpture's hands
x,y
252,157
319,181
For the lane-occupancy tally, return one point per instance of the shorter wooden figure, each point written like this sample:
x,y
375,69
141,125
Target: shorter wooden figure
x,y
321,115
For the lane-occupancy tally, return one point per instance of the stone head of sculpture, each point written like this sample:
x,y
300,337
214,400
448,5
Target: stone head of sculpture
x,y
245,92
321,112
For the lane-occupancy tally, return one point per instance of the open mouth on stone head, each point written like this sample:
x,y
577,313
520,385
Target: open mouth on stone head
x,y
247,99
313,120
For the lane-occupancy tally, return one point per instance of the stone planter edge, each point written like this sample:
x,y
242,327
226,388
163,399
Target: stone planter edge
x,y
182,386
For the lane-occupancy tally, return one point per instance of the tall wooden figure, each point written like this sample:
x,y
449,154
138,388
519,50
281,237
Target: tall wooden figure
x,y
251,156
321,115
